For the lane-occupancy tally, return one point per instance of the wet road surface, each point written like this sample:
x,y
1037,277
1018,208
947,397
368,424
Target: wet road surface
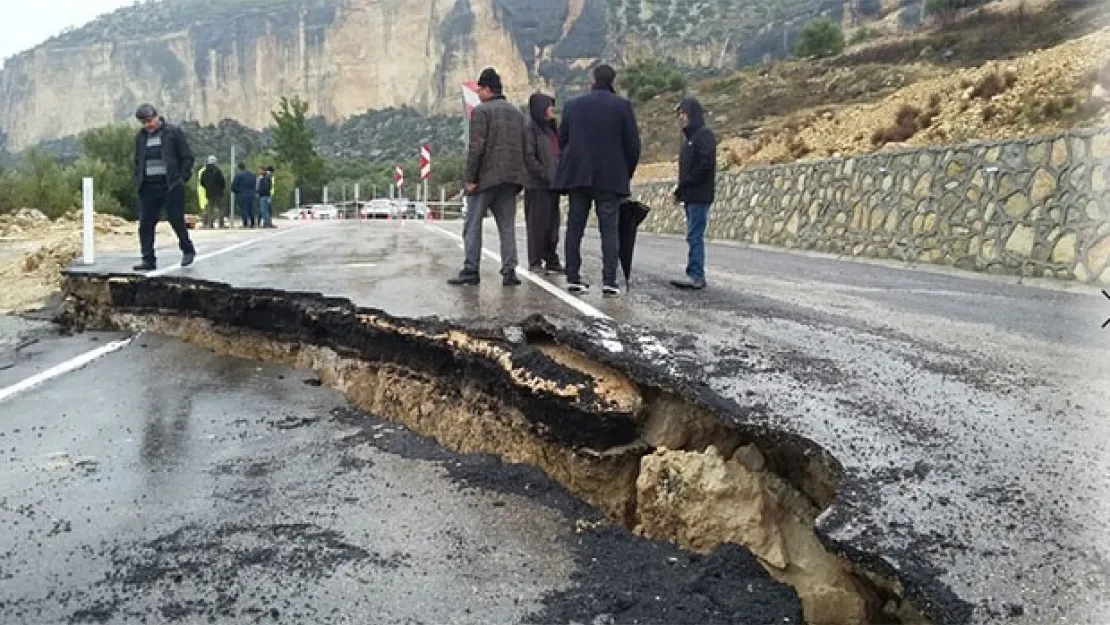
x,y
970,413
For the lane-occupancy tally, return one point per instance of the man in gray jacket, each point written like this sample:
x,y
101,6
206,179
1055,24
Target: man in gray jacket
x,y
494,175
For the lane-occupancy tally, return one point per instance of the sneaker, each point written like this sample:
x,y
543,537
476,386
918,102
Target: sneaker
x,y
610,291
510,280
465,279
187,258
578,288
145,266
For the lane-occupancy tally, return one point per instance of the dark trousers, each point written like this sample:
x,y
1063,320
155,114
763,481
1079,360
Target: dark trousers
x,y
215,211
244,203
542,218
608,217
153,198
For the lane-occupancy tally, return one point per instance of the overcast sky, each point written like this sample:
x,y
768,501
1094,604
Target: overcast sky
x,y
26,23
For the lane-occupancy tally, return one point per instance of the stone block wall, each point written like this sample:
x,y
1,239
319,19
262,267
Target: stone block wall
x,y
1035,207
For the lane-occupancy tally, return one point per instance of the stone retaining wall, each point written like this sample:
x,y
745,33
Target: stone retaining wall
x,y
1032,207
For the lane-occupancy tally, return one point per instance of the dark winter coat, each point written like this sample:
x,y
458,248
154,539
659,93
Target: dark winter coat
x,y
175,152
265,186
213,181
244,184
697,160
541,148
496,152
599,144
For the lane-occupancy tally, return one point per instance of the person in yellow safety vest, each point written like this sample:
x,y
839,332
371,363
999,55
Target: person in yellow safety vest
x,y
202,194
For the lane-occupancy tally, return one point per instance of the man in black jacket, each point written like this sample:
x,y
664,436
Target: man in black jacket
x,y
244,186
163,164
265,199
215,186
599,149
697,173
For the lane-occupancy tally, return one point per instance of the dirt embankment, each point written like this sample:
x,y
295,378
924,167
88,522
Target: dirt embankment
x,y
35,249
957,83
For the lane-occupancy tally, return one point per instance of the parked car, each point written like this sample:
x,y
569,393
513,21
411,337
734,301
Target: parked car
x,y
324,211
376,209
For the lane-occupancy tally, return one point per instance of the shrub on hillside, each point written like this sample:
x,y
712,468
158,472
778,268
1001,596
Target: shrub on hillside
x,y
820,38
992,85
643,80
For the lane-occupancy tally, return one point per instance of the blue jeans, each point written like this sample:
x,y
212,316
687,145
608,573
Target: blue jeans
x,y
697,216
265,202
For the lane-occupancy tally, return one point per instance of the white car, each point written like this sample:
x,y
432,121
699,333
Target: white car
x,y
324,211
376,209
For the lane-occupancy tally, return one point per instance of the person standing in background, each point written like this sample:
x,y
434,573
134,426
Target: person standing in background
x,y
215,186
541,204
243,187
697,182
599,149
163,166
265,198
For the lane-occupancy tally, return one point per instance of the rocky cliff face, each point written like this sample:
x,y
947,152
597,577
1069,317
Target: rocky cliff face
x,y
209,60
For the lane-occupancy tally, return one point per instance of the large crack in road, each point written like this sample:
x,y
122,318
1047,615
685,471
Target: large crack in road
x,y
656,453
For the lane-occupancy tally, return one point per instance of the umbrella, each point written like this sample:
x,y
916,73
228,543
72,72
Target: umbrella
x,y
632,213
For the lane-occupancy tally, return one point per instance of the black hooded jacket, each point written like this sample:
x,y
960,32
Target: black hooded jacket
x,y
541,143
697,161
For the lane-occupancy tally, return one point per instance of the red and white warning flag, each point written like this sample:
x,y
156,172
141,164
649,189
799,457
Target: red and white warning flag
x,y
399,176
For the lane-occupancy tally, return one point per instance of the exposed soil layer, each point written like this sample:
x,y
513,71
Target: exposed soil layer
x,y
666,458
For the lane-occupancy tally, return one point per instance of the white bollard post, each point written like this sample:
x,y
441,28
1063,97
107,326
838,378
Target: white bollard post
x,y
358,213
325,194
89,226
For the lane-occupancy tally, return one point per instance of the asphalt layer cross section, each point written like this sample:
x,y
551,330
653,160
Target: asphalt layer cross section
x,y
969,413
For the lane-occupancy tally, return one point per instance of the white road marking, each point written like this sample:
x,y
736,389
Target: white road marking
x,y
562,295
230,248
70,365
80,361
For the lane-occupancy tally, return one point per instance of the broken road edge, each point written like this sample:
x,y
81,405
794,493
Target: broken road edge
x,y
590,403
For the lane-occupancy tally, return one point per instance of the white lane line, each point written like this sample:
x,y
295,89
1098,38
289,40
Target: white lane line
x,y
230,248
80,361
70,365
566,298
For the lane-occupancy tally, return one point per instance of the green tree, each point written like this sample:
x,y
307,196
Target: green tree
x,y
647,78
108,155
820,38
293,144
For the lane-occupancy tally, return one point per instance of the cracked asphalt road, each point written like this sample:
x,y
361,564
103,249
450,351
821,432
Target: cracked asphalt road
x,y
970,414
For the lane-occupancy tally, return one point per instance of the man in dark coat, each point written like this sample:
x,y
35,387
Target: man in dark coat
x,y
541,204
599,149
494,175
215,186
265,197
697,174
244,187
163,164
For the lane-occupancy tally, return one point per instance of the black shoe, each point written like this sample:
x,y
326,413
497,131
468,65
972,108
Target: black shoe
x,y
610,291
578,288
510,280
688,284
464,279
187,258
554,269
536,268
145,266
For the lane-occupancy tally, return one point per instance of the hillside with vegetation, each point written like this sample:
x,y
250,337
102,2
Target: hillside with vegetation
x,y
955,81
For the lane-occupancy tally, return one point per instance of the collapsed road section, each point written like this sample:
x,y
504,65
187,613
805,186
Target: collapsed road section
x,y
664,457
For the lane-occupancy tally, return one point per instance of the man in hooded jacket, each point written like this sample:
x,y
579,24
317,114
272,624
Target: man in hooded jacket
x,y
697,174
541,203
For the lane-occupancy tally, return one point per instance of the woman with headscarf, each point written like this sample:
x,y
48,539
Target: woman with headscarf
x,y
541,203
